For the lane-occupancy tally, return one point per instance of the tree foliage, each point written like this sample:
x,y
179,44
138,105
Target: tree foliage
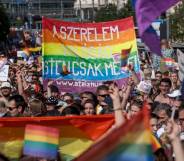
x,y
4,23
107,13
177,24
110,12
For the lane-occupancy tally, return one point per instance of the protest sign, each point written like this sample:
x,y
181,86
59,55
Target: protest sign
x,y
4,73
180,57
80,56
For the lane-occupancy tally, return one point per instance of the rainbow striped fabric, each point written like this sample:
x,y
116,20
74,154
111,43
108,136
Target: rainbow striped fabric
x,y
87,50
126,143
168,64
155,143
41,141
124,56
77,133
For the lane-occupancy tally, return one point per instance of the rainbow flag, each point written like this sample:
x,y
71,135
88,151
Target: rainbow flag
x,y
168,64
26,51
124,56
41,141
155,143
126,143
87,50
77,133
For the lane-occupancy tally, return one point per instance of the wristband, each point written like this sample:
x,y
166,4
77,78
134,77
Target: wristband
x,y
117,109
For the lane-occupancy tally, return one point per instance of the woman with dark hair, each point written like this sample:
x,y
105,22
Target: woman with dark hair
x,y
71,110
89,107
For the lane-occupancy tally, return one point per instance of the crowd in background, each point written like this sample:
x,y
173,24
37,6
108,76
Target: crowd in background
x,y
23,95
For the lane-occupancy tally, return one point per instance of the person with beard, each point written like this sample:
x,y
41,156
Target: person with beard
x,y
5,91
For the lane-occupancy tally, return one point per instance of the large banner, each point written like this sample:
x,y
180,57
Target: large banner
x,y
77,133
80,56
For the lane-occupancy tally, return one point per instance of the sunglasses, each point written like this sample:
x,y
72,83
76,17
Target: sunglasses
x,y
11,108
103,95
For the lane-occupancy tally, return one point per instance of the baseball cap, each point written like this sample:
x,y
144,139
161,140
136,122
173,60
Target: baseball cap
x,y
175,93
51,101
5,85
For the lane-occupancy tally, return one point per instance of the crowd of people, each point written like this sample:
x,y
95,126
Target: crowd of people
x,y
23,95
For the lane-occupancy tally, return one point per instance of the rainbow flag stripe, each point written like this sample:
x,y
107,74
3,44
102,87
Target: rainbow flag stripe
x,y
155,143
124,56
41,141
39,149
167,64
126,143
74,131
87,50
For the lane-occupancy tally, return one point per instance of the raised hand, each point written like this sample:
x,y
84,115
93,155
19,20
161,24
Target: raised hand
x,y
173,130
50,83
114,92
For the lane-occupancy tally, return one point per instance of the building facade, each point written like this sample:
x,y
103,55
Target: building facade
x,y
34,9
85,9
71,10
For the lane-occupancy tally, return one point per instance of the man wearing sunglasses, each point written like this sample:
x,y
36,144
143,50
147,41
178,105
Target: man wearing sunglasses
x,y
15,106
102,92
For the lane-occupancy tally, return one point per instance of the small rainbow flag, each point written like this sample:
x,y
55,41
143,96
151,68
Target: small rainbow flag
x,y
124,56
167,64
26,51
155,143
41,141
125,143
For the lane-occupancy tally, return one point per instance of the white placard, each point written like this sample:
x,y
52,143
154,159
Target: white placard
x,y
4,73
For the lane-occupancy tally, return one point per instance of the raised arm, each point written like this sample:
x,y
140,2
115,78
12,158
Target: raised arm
x,y
48,88
173,131
20,84
114,93
134,75
127,93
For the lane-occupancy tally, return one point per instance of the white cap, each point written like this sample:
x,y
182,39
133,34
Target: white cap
x,y
144,86
182,136
175,93
5,84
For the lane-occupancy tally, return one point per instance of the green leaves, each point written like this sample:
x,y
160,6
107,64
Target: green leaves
x,y
110,12
176,24
4,24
